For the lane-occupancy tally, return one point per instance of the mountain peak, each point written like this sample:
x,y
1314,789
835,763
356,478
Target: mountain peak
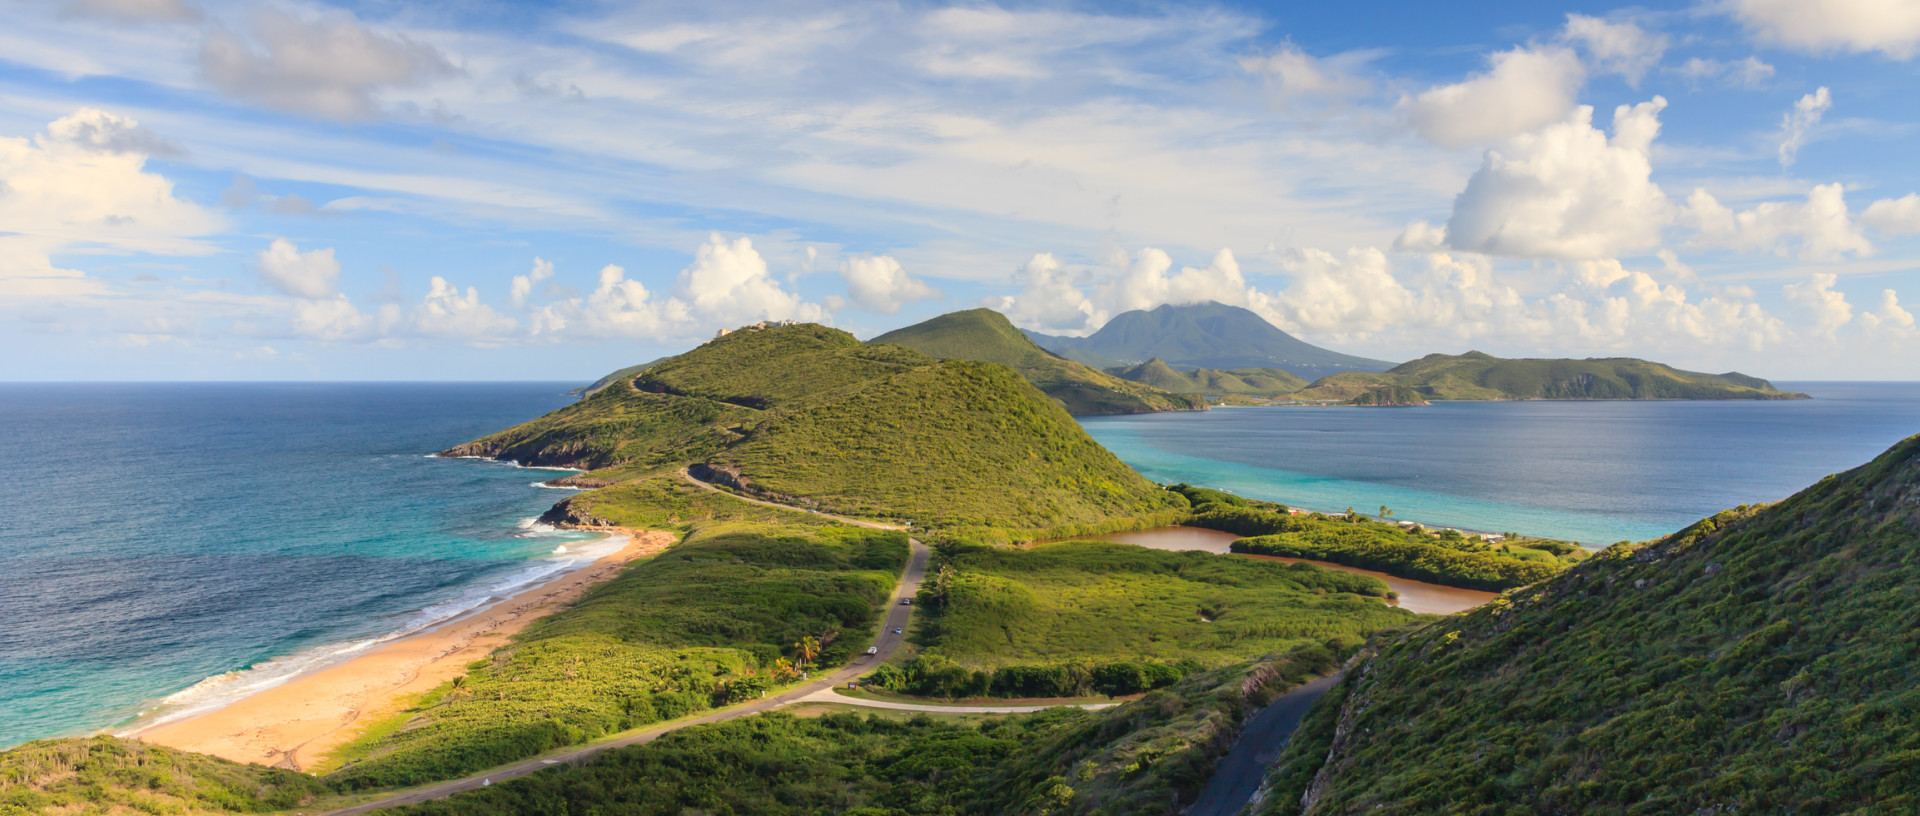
x,y
1208,334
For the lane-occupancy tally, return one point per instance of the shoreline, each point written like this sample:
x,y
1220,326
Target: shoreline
x,y
297,723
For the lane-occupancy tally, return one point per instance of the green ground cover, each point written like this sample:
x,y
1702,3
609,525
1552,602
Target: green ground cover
x,y
1082,617
1760,661
707,623
112,775
1149,757
1449,558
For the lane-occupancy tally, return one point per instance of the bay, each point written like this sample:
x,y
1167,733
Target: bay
x,y
1590,471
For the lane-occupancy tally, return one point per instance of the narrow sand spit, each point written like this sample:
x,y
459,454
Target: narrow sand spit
x,y
295,724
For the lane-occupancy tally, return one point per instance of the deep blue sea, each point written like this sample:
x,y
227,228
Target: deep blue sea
x,y
1594,472
165,547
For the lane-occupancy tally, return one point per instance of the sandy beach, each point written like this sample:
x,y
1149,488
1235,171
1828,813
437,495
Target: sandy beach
x,y
295,724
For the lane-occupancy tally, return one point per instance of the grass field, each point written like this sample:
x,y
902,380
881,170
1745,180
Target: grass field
x,y
711,621
1148,758
1087,617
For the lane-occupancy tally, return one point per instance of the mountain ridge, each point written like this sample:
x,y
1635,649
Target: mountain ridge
x,y
1477,375
1203,335
985,335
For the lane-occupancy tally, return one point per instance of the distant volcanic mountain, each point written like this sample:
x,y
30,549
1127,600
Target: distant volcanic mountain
x,y
1203,335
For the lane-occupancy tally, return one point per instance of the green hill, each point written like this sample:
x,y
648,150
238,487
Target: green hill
x,y
811,415
1245,382
987,336
1760,661
113,775
1203,335
1479,376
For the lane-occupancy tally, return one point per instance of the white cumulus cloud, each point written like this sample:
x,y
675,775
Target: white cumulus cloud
x,y
879,283
522,285
448,313
308,274
728,283
1894,216
1889,318
84,183
1567,191
1891,27
1049,299
1522,90
1818,229
1293,76
1826,308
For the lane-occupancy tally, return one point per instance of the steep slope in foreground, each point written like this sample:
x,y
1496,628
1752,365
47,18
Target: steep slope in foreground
x,y
812,415
1247,382
1479,376
1760,661
1203,335
987,336
112,775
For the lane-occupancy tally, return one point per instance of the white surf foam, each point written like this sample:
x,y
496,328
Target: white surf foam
x,y
224,689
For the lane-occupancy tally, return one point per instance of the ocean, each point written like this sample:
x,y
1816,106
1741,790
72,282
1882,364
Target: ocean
x,y
1593,472
165,548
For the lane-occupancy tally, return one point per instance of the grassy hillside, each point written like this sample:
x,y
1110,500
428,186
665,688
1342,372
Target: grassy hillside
x,y
1147,758
112,775
812,415
1478,376
1204,335
1760,661
956,443
1249,382
1078,603
985,335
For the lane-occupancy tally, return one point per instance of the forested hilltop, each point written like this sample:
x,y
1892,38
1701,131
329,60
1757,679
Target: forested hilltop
x,y
987,336
1759,661
1479,376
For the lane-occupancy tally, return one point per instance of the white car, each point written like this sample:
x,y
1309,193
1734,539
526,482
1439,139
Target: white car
x,y
873,650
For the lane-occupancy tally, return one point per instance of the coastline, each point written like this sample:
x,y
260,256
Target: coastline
x,y
295,724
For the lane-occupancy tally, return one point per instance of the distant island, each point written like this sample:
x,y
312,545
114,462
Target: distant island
x,y
1213,382
1479,376
1203,335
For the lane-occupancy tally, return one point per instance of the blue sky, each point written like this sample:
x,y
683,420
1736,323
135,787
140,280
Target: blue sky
x,y
197,189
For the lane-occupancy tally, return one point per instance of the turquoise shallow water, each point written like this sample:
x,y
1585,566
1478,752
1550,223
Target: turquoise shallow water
x,y
166,547
1595,472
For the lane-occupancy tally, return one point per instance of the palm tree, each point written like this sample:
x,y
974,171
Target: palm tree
x,y
1385,512
807,649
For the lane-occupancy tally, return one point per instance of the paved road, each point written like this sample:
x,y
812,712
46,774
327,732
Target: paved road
x,y
826,695
896,618
1240,773
684,474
